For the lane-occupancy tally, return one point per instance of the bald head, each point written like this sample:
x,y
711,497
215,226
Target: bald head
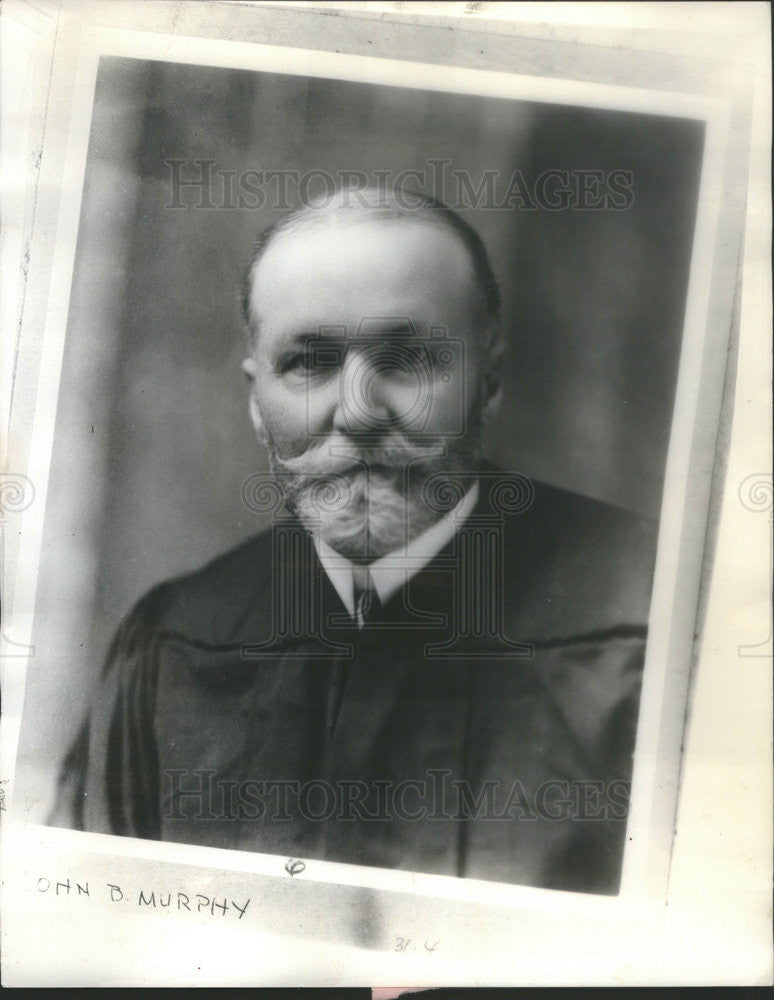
x,y
394,217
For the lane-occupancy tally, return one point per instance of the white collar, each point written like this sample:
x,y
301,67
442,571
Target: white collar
x,y
394,570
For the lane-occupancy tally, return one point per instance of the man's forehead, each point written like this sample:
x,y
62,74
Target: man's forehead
x,y
368,238
390,266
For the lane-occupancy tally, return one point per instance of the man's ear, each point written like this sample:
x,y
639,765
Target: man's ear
x,y
249,366
493,382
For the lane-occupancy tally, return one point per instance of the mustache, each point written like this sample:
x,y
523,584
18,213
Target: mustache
x,y
334,456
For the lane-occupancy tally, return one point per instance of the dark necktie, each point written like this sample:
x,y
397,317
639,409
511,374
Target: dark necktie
x,y
366,606
367,603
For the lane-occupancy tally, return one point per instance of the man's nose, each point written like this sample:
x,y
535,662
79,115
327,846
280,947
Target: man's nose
x,y
363,403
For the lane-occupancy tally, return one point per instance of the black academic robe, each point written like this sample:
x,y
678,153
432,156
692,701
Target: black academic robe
x,y
481,726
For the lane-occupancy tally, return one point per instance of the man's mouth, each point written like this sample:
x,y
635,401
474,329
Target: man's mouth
x,y
379,467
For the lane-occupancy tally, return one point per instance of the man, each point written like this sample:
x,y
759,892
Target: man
x,y
426,663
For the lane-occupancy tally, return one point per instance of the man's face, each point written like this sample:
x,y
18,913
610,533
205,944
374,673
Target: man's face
x,y
366,373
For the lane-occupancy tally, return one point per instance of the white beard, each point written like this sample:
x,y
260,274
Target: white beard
x,y
366,513
367,501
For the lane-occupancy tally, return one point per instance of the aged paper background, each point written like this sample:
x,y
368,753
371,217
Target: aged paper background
x,y
716,928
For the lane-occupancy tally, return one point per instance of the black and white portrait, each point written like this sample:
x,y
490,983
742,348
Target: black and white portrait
x,y
457,350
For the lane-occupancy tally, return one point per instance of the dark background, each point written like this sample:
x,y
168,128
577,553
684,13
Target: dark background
x,y
153,439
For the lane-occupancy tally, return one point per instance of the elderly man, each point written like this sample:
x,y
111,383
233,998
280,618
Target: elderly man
x,y
425,663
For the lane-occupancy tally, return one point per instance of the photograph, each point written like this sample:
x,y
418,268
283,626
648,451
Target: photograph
x,y
375,462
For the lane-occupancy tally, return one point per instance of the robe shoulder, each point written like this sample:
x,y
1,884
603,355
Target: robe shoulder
x,y
576,566
218,603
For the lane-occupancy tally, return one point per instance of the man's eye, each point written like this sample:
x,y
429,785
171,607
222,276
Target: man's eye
x,y
313,361
303,361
